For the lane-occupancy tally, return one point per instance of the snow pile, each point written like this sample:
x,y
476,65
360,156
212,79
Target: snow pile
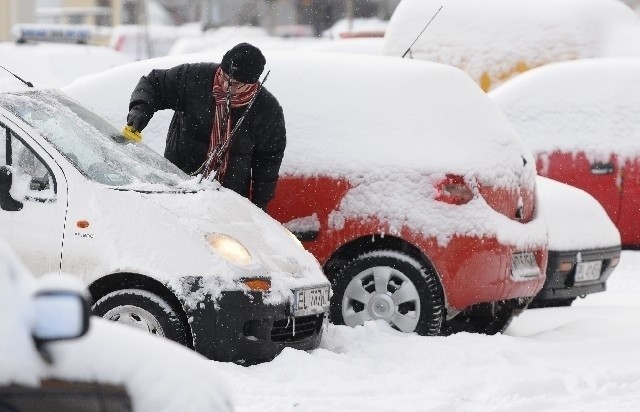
x,y
393,153
159,375
496,39
421,134
568,359
576,220
19,360
590,106
581,358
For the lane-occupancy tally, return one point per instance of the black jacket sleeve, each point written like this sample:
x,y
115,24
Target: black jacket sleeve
x,y
162,89
266,160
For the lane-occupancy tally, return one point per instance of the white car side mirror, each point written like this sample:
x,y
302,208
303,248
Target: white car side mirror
x,y
60,315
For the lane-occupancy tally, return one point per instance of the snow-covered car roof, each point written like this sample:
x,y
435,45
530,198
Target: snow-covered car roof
x,y
576,219
494,40
588,105
382,124
159,375
359,45
56,65
356,25
349,114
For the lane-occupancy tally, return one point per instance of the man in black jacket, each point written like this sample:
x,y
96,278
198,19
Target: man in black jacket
x,y
209,100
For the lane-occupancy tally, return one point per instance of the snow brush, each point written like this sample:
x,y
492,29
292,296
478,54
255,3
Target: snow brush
x,y
132,134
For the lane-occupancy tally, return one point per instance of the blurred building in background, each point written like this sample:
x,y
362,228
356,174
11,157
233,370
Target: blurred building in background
x,y
14,11
314,15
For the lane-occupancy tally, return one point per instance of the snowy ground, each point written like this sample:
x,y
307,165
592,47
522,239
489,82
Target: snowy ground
x,y
582,358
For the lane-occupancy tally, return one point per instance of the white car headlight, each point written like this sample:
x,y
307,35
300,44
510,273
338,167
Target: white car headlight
x,y
229,248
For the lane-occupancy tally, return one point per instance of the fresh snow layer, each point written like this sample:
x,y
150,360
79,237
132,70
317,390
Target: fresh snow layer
x,y
580,358
340,124
340,101
576,220
497,39
590,105
159,375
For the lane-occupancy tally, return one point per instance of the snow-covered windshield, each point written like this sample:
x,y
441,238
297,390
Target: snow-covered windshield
x,y
92,144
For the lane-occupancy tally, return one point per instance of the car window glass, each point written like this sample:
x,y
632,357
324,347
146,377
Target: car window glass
x,y
31,178
92,144
3,146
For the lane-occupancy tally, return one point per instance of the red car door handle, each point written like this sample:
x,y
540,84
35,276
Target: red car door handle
x,y
601,168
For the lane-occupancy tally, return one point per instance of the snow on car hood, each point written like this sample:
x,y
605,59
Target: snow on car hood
x,y
348,115
275,251
566,209
587,105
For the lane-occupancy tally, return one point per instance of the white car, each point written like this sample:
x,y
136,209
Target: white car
x,y
184,259
54,357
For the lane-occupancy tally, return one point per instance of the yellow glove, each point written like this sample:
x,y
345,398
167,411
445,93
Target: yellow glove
x,y
131,134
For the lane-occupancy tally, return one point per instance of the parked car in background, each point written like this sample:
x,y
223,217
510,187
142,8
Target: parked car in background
x,y
503,38
356,27
56,65
53,357
417,218
584,244
190,261
147,41
358,45
581,119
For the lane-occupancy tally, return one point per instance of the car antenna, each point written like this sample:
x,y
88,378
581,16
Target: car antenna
x,y
425,28
16,76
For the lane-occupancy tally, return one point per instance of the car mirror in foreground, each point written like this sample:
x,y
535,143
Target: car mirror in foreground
x,y
60,315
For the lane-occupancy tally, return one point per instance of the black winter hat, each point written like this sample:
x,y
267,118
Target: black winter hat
x,y
248,63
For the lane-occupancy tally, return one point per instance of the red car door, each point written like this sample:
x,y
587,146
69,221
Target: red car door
x,y
628,220
602,180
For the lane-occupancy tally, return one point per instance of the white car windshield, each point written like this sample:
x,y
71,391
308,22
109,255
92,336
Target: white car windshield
x,y
92,144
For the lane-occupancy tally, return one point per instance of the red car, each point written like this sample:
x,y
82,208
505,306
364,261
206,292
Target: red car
x,y
422,214
582,121
401,177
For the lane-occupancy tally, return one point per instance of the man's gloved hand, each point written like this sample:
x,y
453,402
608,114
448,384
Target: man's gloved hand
x,y
138,118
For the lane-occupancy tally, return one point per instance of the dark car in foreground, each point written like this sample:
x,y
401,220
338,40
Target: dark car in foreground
x,y
584,244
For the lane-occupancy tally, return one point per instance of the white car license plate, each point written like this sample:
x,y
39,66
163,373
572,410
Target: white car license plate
x,y
524,266
312,300
588,271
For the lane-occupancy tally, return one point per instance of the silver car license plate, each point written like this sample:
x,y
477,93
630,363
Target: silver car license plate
x,y
586,271
311,300
524,266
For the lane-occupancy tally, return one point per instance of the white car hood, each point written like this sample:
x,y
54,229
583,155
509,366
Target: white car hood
x,y
277,252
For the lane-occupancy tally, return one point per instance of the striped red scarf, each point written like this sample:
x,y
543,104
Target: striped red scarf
x,y
241,95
